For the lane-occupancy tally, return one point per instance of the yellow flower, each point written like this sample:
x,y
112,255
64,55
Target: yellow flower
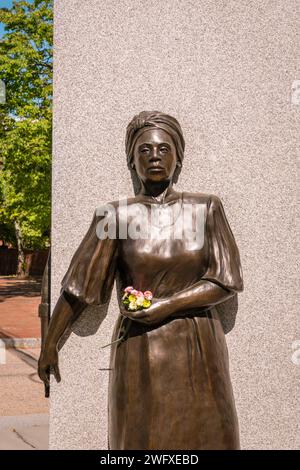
x,y
146,303
132,298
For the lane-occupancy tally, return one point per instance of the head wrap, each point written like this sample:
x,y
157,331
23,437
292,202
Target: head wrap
x,y
153,119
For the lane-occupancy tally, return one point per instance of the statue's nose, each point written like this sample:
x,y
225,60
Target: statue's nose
x,y
155,155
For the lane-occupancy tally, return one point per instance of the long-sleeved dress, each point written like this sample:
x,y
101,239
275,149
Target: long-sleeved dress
x,y
169,383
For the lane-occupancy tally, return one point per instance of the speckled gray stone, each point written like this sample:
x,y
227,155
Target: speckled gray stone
x,y
225,70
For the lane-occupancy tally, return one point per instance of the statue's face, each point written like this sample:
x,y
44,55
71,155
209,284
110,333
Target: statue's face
x,y
155,156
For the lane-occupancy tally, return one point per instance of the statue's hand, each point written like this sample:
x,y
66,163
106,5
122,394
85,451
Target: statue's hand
x,y
157,312
48,362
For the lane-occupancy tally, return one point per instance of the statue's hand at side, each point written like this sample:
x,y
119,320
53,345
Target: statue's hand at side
x,y
66,311
48,363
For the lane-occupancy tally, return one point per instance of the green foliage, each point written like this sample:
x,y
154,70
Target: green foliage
x,y
26,119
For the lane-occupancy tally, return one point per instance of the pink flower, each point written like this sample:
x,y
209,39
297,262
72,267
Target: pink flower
x,y
129,289
148,295
134,292
140,293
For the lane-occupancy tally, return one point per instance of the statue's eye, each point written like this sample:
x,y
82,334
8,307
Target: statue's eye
x,y
164,149
144,150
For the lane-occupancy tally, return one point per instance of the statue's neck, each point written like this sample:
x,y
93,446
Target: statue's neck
x,y
157,191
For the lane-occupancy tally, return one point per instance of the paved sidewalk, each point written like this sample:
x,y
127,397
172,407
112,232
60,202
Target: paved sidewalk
x,y
21,391
27,432
19,301
23,407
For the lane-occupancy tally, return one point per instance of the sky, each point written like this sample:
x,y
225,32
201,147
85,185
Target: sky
x,y
4,4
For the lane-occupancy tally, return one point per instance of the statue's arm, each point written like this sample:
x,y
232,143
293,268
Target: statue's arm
x,y
66,311
223,277
88,281
203,294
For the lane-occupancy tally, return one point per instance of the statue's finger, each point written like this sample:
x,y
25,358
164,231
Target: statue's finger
x,y
43,375
47,390
56,373
140,314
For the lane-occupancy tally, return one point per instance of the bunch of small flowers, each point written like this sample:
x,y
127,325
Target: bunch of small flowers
x,y
135,299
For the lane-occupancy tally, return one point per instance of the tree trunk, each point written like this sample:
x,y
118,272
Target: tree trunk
x,y
21,268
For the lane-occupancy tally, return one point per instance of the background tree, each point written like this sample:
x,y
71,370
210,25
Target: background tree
x,y
26,124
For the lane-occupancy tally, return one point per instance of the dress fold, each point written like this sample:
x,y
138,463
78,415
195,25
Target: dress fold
x,y
223,265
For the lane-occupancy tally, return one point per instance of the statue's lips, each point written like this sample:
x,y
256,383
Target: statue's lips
x,y
160,168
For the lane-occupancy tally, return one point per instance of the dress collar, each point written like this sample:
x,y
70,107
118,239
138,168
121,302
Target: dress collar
x,y
168,195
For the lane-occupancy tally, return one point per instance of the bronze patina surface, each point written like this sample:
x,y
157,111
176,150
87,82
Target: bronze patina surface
x,y
169,383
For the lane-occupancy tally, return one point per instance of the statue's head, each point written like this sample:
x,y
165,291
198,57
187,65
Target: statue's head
x,y
154,147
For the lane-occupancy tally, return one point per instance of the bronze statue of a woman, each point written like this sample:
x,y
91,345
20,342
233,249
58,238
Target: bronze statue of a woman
x,y
169,382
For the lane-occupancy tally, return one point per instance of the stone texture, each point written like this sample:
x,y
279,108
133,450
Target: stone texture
x,y
225,70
